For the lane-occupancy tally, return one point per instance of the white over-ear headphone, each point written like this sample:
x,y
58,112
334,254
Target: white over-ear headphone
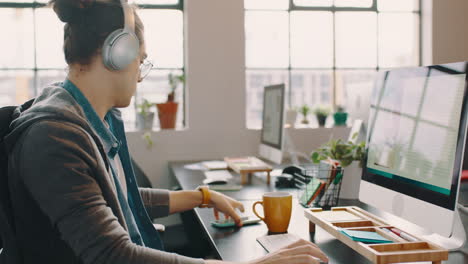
x,y
121,47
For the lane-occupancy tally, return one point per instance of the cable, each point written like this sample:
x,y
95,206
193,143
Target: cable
x,y
462,209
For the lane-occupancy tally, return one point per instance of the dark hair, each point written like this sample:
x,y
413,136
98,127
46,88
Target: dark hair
x,y
88,23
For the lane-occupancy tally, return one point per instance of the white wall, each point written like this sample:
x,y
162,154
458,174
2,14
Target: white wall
x,y
444,33
450,33
216,88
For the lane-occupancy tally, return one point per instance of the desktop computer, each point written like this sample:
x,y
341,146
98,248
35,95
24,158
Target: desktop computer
x,y
272,134
275,138
415,145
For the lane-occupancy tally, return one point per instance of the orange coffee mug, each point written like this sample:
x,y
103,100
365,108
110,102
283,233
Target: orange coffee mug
x,y
277,207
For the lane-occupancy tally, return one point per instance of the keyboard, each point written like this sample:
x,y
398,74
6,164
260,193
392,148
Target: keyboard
x,y
274,242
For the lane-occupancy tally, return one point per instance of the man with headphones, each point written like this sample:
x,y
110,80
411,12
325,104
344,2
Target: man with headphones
x,y
72,186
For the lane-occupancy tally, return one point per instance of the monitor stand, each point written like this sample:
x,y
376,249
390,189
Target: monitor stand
x,y
456,241
290,148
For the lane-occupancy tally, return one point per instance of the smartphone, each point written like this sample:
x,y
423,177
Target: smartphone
x,y
246,220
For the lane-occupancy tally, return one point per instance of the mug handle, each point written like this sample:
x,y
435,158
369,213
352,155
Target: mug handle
x,y
255,212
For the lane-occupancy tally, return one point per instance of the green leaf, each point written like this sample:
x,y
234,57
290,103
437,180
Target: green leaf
x,y
344,151
315,157
149,141
345,163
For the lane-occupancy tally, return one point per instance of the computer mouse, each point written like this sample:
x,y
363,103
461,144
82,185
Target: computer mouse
x,y
214,181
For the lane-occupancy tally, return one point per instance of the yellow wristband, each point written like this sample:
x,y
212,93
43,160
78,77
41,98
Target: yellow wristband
x,y
205,196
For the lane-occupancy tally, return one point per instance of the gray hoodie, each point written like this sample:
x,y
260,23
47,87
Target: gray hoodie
x,y
65,208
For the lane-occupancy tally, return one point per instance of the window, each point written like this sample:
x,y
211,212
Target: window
x,y
32,55
327,52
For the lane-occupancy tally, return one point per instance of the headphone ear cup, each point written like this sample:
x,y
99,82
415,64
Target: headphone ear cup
x,y
119,49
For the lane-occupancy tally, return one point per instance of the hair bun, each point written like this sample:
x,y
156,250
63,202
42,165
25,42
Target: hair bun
x,y
70,11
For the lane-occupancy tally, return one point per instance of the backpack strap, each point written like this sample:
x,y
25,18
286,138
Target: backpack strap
x,y
7,233
6,228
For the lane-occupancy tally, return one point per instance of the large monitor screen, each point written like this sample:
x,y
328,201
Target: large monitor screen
x,y
417,124
273,109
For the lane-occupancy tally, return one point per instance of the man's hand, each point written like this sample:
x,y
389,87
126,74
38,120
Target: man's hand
x,y
300,252
221,203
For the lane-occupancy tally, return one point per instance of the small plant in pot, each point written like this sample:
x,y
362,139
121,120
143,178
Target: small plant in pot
x,y
321,113
340,116
167,112
343,151
291,115
144,117
304,110
350,155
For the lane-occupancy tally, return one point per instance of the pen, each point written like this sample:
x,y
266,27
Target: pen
x,y
403,235
391,234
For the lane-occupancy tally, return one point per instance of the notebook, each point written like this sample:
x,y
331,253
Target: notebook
x,y
365,236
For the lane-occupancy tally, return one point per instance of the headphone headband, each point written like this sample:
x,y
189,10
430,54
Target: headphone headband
x,y
122,46
129,17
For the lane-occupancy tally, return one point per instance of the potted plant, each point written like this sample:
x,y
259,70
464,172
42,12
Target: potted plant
x,y
350,155
167,112
321,113
340,116
144,116
291,115
304,110
343,151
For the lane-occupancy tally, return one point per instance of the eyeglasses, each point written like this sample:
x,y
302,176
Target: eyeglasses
x,y
145,68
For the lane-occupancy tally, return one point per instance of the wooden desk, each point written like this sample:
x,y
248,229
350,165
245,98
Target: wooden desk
x,y
239,244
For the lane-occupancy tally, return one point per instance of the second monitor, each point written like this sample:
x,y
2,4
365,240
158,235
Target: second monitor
x,y
272,134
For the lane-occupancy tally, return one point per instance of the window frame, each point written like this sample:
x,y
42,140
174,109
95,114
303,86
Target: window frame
x,y
35,69
333,9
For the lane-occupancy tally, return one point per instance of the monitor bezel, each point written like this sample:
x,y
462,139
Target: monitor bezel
x,y
262,140
433,197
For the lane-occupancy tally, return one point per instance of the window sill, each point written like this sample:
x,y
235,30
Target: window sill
x,y
132,129
308,127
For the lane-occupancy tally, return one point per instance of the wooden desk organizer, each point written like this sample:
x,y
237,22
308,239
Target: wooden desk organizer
x,y
246,171
400,251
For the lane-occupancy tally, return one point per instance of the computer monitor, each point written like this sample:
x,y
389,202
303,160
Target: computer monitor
x,y
272,134
415,145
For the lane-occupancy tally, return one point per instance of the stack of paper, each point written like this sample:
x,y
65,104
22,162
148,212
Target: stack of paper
x,y
218,175
247,163
215,165
337,216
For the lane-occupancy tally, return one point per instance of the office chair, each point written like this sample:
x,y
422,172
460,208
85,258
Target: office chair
x,y
143,181
9,252
141,178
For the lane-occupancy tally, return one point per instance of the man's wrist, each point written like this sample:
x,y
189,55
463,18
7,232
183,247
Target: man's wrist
x,y
206,196
199,197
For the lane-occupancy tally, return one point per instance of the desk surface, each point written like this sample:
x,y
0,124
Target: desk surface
x,y
239,244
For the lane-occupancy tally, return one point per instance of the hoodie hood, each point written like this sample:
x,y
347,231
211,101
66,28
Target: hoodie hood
x,y
54,103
